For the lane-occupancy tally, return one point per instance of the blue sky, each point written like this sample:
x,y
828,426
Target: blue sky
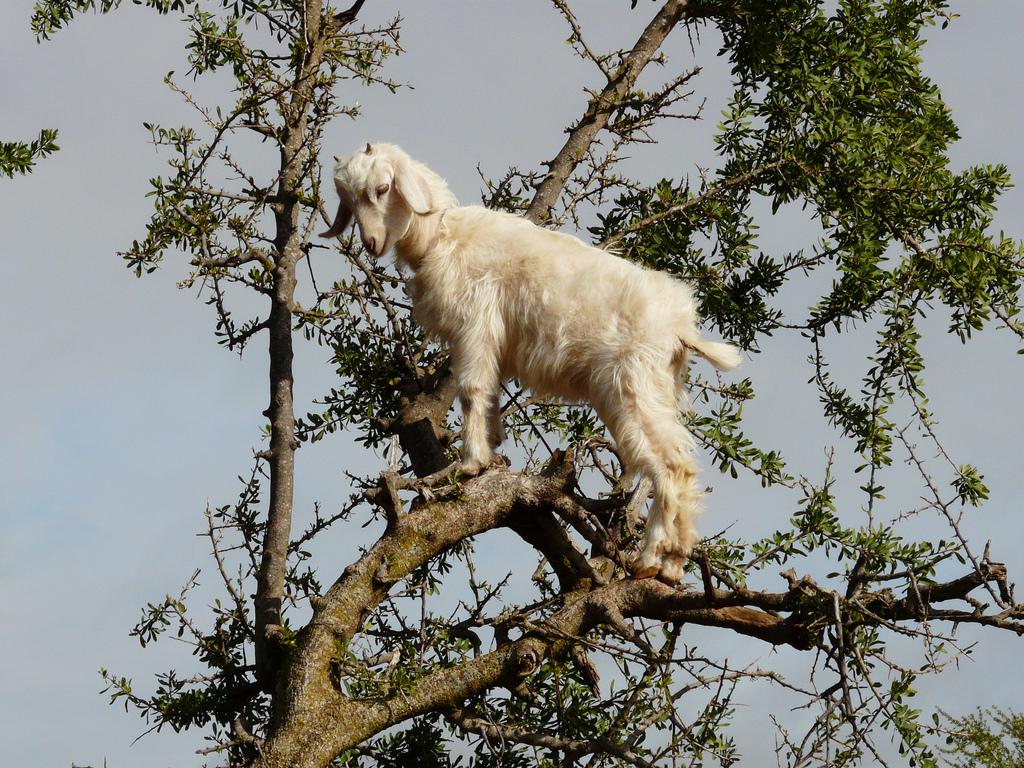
x,y
124,418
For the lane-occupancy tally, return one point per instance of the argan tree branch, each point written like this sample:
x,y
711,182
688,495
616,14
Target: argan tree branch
x,y
288,241
707,195
324,722
603,105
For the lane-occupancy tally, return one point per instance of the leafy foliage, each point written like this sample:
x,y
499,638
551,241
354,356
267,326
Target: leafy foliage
x,y
988,738
19,158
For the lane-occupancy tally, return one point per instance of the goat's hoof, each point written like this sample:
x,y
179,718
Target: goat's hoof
x,y
673,566
644,566
645,573
471,468
474,468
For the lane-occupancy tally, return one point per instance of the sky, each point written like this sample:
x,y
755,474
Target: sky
x,y
124,418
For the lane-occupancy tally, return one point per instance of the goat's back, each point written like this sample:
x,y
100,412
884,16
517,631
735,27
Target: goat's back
x,y
565,317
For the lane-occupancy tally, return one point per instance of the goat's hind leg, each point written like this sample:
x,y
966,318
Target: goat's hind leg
x,y
632,438
686,491
653,440
656,537
680,492
670,535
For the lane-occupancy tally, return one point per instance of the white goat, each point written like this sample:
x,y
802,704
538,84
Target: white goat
x,y
568,320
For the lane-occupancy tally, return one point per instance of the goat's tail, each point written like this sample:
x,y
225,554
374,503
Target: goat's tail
x,y
718,353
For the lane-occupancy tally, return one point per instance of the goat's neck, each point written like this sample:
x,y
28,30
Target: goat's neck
x,y
419,239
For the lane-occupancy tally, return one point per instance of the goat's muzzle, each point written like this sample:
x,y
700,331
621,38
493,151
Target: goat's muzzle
x,y
371,243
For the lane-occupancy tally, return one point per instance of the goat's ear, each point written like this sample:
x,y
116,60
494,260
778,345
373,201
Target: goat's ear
x,y
413,187
341,221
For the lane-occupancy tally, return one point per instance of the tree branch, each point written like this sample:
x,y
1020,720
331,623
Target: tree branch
x,y
603,105
573,748
710,193
342,18
281,412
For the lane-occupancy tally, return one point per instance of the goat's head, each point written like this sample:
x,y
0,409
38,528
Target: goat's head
x,y
385,189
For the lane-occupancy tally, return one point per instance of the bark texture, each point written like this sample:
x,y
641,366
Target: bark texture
x,y
288,242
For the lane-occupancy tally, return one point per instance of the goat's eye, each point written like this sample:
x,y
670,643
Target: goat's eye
x,y
383,189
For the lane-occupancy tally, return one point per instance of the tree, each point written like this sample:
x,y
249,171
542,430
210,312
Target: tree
x,y
19,158
830,110
991,738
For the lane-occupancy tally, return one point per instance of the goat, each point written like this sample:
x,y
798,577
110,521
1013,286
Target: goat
x,y
568,320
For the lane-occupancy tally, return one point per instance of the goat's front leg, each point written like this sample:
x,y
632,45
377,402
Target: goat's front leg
x,y
476,374
496,432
